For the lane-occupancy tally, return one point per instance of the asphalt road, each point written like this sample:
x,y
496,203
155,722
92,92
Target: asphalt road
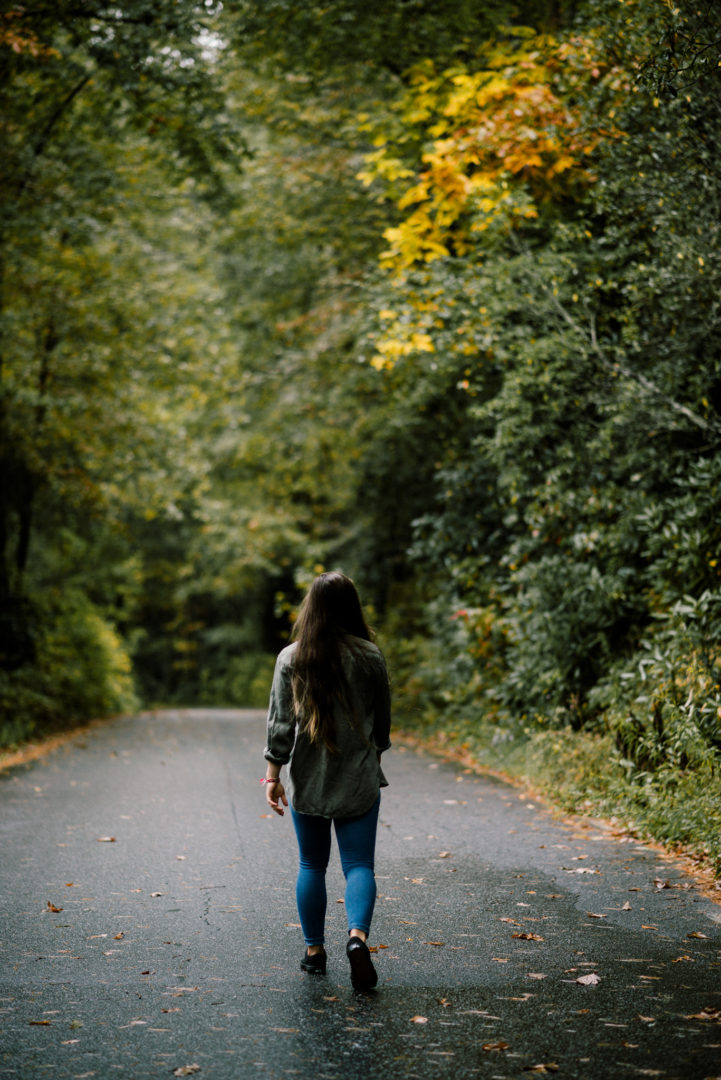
x,y
149,927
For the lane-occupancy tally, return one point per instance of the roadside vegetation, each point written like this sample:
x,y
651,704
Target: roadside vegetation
x,y
427,291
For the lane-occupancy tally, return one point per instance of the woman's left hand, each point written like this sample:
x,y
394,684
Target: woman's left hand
x,y
275,797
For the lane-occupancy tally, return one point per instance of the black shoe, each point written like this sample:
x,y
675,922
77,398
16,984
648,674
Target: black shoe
x,y
315,964
363,975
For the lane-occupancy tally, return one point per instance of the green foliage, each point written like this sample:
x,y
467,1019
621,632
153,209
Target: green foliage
x,y
665,712
571,535
570,492
80,671
586,772
115,145
244,682
315,37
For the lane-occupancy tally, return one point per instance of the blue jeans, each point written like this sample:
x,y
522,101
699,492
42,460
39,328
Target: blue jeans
x,y
356,843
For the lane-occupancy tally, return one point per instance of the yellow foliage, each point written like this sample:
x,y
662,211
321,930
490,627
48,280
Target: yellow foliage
x,y
498,141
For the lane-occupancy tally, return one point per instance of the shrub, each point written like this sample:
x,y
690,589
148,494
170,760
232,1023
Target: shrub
x,y
81,670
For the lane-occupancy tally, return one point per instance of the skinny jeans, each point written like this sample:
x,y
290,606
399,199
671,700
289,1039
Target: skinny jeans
x,y
356,839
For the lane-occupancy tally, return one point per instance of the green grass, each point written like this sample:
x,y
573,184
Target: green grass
x,y
584,773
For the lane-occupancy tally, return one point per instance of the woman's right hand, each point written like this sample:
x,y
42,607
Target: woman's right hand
x,y
275,797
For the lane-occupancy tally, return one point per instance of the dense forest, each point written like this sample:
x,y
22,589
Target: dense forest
x,y
427,291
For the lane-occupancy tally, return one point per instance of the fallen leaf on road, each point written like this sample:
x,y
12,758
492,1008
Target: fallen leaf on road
x,y
549,1067
495,1046
437,943
626,907
693,934
680,958
120,936
645,927
646,1019
40,1023
106,840
592,979
156,894
525,936
500,959
51,907
186,1070
535,975
444,854
419,1019
706,1014
593,915
444,1002
513,922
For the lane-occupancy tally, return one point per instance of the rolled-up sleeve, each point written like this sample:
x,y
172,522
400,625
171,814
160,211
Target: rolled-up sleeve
x,y
281,716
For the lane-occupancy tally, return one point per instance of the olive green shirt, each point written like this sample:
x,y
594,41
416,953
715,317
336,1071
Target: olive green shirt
x,y
344,782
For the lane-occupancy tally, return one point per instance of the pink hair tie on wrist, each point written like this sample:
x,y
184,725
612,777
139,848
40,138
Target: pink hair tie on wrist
x,y
273,780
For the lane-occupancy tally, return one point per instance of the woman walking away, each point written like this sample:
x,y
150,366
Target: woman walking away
x,y
329,717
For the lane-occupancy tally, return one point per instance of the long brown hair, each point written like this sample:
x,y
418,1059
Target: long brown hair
x,y
330,616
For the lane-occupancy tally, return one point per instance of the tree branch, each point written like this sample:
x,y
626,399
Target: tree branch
x,y
44,136
617,367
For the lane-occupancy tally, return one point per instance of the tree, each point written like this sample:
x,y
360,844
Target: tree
x,y
563,280
100,107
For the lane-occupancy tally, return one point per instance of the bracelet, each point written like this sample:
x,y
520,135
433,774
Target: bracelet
x,y
272,780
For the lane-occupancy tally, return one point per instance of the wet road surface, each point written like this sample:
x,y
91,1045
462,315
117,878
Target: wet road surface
x,y
149,927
